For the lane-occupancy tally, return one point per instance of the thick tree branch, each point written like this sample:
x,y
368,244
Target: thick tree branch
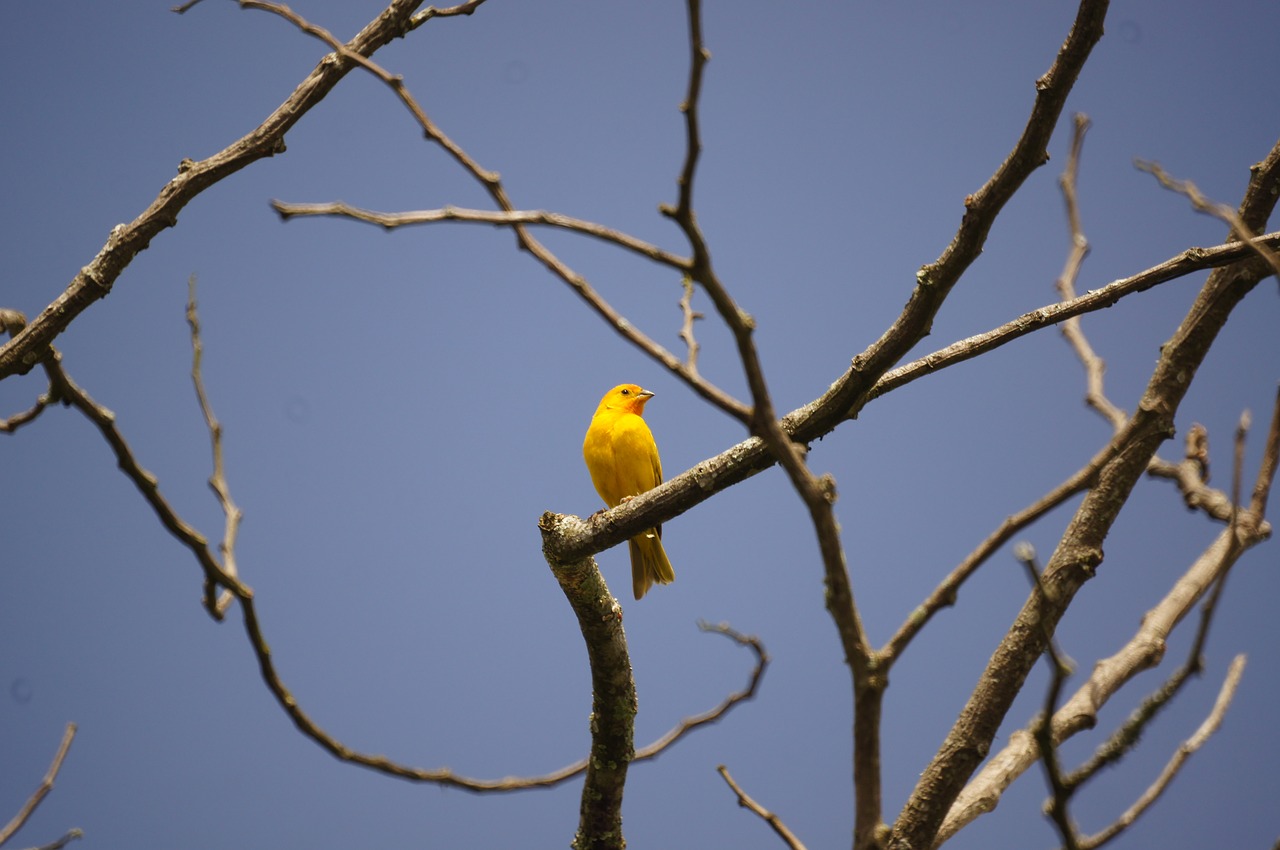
x,y
1146,648
1080,550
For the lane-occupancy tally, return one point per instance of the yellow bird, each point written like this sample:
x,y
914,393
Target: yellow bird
x,y
623,461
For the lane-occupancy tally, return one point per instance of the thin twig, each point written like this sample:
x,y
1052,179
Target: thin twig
x,y
775,823
1094,366
944,595
42,791
686,330
393,220
96,279
1188,262
420,18
1267,467
817,492
492,184
688,724
12,322
58,844
1175,763
1201,203
1042,729
218,480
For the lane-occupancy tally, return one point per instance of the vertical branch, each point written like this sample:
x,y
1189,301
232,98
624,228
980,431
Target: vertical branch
x,y
1094,366
613,696
817,493
218,480
1060,668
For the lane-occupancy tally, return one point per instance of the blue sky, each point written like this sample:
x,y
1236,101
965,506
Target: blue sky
x,y
400,408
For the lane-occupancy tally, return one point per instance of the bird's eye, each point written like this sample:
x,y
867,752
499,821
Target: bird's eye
x,y
626,392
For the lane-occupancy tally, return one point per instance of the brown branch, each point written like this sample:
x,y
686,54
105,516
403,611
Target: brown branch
x,y
935,281
1239,229
1080,550
1188,262
1143,651
944,595
58,844
126,241
1042,732
613,701
686,329
216,605
1267,467
430,12
42,791
687,725
1191,475
11,322
1180,756
390,221
775,823
817,493
492,185
1094,365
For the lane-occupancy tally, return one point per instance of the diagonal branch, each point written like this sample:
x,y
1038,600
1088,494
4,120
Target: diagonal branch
x,y
46,785
1079,552
817,492
1188,262
1143,651
1175,763
775,822
492,184
216,605
126,241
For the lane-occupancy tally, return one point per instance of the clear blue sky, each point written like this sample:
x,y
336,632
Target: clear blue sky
x,y
400,408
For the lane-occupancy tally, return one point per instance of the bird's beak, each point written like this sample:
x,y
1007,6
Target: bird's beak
x,y
646,395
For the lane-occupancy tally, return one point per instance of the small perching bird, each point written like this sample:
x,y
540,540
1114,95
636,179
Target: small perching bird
x,y
623,461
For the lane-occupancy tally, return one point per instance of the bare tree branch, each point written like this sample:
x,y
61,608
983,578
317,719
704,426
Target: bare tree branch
x,y
817,493
42,791
1080,549
1202,734
1239,230
1144,650
1060,668
775,823
126,241
686,330
216,605
390,221
1094,366
66,839
1188,262
492,184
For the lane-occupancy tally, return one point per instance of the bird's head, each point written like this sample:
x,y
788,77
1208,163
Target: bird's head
x,y
629,397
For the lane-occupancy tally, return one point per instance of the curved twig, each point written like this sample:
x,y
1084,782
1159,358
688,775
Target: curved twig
x,y
46,785
390,221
